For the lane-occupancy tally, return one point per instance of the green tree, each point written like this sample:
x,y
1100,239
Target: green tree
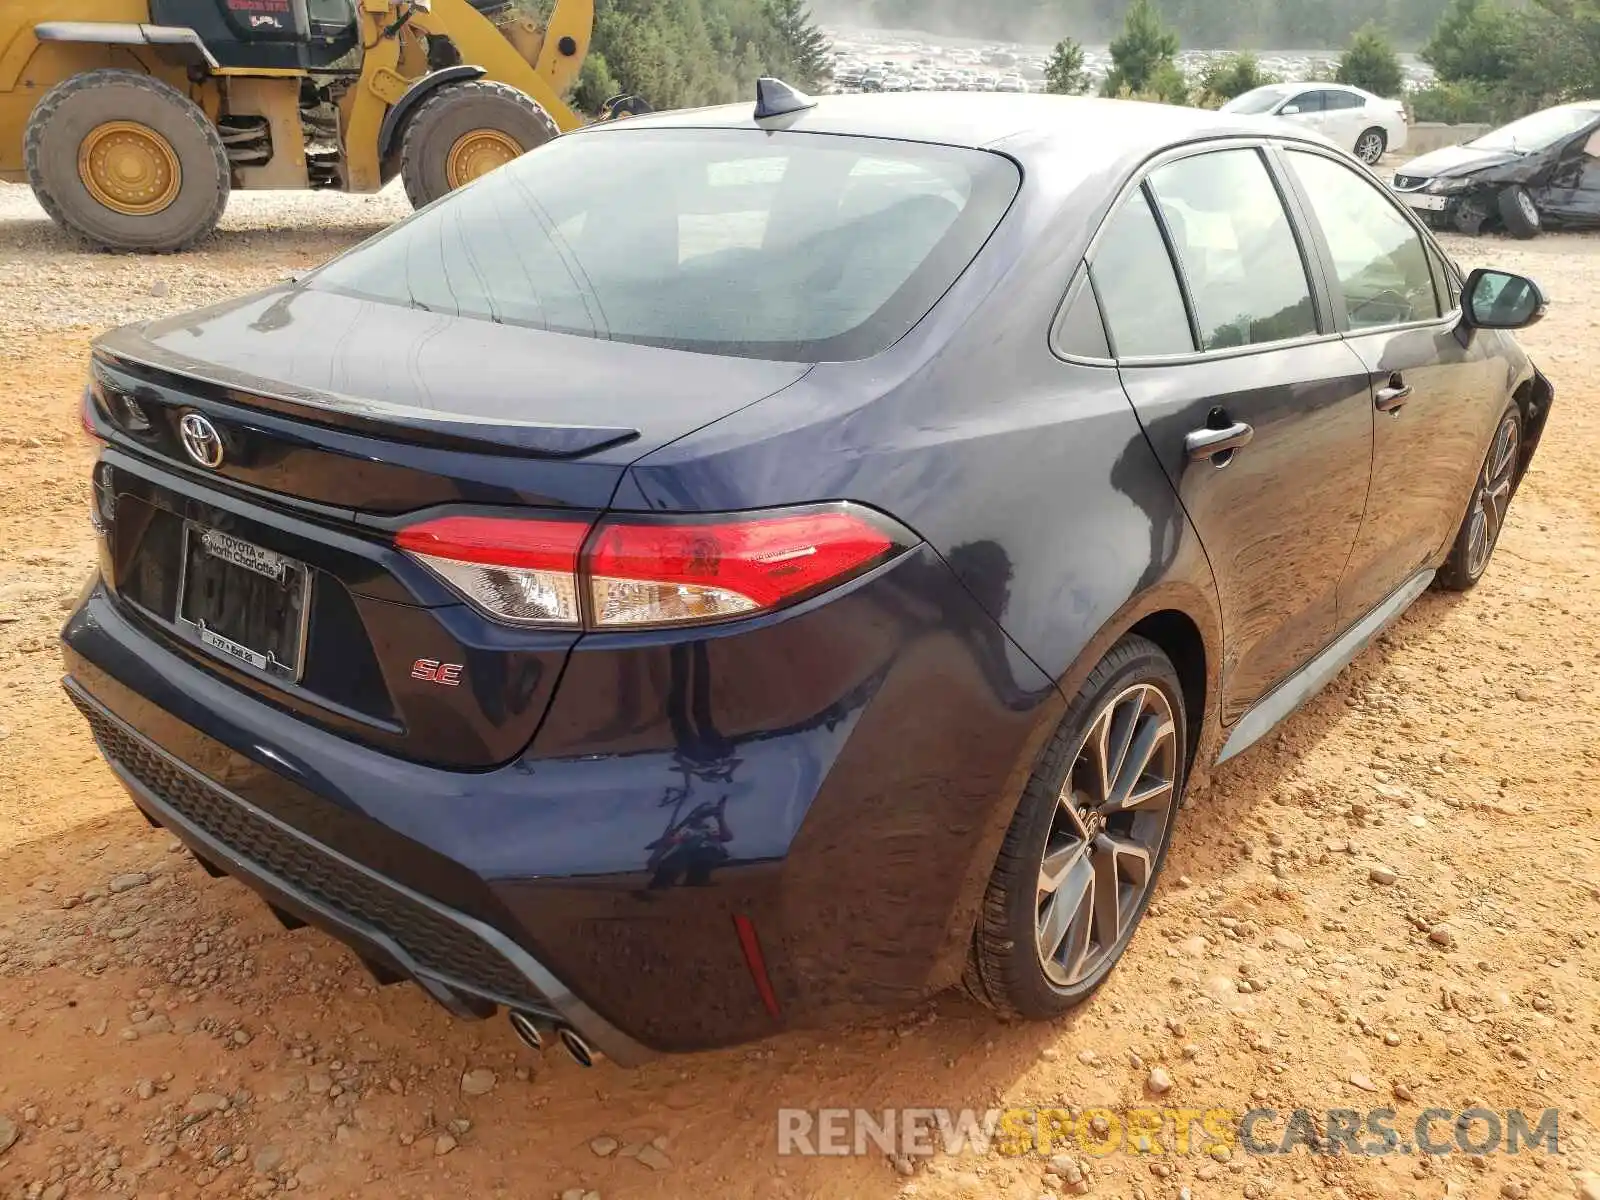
x,y
1064,74
1474,40
683,53
1232,75
1560,41
1144,45
1167,84
801,45
1370,62
596,84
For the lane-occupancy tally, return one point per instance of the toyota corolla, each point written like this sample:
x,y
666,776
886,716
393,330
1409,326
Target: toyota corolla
x,y
730,571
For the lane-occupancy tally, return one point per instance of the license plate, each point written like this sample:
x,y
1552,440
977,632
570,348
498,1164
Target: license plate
x,y
1424,203
246,603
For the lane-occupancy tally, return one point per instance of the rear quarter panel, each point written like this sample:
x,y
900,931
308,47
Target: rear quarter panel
x,y
1028,473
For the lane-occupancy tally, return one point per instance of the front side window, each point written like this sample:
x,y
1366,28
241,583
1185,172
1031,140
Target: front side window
x,y
1139,294
1305,102
1381,260
741,242
1241,260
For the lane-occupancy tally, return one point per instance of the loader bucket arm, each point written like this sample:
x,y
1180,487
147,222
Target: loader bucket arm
x,y
561,54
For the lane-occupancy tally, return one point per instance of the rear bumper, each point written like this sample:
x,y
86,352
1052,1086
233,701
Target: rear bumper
x,y
836,778
466,965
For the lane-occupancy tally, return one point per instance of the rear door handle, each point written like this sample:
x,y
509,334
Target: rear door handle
x,y
1393,398
1209,444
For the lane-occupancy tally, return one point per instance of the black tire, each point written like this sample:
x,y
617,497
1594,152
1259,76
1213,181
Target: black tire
x,y
58,134
1372,145
434,131
1491,500
1518,213
1005,968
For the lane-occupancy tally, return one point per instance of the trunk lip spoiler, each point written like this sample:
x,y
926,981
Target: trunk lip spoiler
x,y
126,352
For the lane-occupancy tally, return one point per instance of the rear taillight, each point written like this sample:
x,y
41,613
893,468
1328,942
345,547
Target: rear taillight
x,y
86,413
639,572
525,571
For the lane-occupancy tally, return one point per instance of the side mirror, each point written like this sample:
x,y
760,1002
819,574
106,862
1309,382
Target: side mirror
x,y
1289,110
1501,300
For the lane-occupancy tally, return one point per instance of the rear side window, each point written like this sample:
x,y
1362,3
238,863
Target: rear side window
x,y
1380,258
1241,260
1079,330
741,242
1334,101
1144,312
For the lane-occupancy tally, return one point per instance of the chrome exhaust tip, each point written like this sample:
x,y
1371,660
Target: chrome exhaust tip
x,y
572,1042
527,1029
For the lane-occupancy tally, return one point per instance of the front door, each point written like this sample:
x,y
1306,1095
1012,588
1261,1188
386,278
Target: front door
x,y
1261,419
1305,109
1432,422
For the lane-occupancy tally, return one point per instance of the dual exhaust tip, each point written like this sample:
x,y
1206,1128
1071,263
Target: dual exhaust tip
x,y
533,1031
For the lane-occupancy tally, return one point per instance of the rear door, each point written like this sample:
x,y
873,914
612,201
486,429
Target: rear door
x,y
1260,415
1435,401
1573,191
1345,117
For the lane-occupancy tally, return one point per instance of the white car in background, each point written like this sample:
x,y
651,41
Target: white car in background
x,y
1366,125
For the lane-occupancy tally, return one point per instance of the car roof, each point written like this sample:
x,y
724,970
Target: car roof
x,y
1024,123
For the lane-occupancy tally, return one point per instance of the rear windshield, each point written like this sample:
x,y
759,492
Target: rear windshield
x,y
803,247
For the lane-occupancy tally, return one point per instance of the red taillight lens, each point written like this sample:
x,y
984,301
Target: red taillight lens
x,y
86,418
646,571
525,571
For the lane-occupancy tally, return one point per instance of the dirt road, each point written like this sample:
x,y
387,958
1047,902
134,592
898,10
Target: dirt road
x,y
161,1035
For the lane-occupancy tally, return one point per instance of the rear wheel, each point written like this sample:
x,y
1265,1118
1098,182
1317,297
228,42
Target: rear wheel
x,y
465,130
1370,146
127,162
1519,213
1080,859
1486,514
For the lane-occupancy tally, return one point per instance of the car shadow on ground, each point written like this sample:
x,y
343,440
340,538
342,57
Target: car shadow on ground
x,y
718,1112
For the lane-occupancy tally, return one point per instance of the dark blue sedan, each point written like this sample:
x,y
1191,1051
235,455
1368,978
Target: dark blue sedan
x,y
730,570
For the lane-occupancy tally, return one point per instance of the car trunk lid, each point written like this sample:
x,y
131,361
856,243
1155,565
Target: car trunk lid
x,y
383,409
276,567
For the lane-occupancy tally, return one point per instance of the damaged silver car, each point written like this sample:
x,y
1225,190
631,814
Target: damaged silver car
x,y
1540,172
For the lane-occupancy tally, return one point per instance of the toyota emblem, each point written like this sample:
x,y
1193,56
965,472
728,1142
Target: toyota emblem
x,y
201,440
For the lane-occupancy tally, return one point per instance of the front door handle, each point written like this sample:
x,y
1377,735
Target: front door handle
x,y
1392,398
1210,444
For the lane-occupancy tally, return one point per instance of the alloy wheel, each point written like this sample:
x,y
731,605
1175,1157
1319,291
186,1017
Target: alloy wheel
x,y
1529,209
1493,496
1370,148
1106,834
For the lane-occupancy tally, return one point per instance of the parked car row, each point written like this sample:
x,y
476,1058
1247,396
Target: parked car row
x,y
853,77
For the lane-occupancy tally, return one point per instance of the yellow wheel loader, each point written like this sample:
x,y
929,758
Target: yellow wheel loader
x,y
134,119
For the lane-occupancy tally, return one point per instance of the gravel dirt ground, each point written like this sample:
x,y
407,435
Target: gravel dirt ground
x,y
161,1035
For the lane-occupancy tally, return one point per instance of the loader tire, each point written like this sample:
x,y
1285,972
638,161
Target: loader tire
x,y
465,130
126,162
